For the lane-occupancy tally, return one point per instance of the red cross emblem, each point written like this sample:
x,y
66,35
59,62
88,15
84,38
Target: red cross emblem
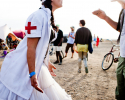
x,y
29,28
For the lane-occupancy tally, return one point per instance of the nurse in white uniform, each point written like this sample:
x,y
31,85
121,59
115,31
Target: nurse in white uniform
x,y
26,72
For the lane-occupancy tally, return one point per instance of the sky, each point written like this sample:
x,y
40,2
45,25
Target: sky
x,y
15,12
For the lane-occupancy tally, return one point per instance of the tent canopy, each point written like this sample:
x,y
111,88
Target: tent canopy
x,y
19,34
4,31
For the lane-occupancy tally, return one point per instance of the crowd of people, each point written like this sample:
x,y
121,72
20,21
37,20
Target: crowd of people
x,y
78,41
81,38
12,43
3,46
31,78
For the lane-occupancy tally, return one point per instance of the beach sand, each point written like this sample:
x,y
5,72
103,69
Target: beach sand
x,y
96,85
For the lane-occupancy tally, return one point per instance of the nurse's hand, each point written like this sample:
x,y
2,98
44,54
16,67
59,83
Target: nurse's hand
x,y
50,68
100,13
34,83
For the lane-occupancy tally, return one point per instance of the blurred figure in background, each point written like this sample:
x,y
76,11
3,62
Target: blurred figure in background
x,y
1,44
94,41
82,40
70,42
97,42
58,46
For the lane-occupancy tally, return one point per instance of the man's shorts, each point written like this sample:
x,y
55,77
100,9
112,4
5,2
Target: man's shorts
x,y
57,48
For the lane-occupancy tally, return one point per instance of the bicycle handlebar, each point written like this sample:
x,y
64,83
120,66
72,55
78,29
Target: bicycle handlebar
x,y
114,44
117,45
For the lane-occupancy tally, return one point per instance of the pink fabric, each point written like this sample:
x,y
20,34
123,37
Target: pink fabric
x,y
19,34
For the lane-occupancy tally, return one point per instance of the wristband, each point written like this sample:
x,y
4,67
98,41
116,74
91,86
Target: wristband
x,y
31,74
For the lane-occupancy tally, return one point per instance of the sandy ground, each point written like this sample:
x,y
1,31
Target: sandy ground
x,y
96,85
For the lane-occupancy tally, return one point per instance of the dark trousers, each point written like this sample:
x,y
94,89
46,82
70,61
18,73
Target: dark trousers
x,y
68,46
120,89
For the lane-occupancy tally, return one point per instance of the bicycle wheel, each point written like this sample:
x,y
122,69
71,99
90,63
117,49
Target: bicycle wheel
x,y
107,61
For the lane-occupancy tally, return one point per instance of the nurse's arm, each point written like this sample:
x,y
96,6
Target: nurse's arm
x,y
31,55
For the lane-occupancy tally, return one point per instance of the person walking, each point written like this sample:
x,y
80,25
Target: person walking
x,y
70,42
119,26
26,72
58,46
82,39
94,41
97,42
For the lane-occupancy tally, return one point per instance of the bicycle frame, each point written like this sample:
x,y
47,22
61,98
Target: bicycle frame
x,y
113,50
109,57
107,60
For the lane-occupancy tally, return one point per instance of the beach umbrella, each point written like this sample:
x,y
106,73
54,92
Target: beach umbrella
x,y
4,31
19,34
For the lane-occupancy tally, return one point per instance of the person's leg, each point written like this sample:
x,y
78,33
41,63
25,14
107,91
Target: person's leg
x,y
85,61
97,44
57,58
67,48
57,55
79,61
60,58
120,89
72,50
54,51
124,80
72,55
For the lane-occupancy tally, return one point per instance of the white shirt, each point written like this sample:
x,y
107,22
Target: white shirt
x,y
14,71
122,40
70,39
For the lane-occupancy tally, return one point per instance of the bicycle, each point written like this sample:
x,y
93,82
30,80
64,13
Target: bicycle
x,y
109,58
